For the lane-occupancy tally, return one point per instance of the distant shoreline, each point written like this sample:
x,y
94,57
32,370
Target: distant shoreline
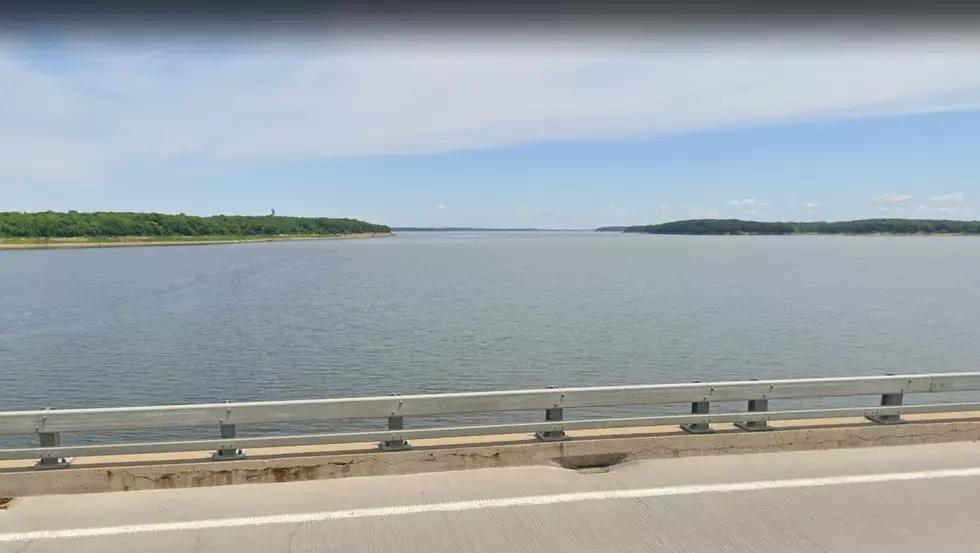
x,y
478,229
851,234
9,243
860,227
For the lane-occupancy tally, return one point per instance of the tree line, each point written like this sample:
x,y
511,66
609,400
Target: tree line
x,y
863,226
50,224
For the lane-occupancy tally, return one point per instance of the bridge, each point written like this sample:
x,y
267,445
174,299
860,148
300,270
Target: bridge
x,y
751,478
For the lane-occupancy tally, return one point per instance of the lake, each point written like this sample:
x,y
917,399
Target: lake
x,y
434,312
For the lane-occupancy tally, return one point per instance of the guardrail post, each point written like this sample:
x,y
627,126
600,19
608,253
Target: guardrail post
x,y
555,414
755,406
395,423
888,400
397,443
698,408
228,432
51,439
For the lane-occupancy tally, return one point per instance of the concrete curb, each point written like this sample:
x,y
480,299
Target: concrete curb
x,y
575,453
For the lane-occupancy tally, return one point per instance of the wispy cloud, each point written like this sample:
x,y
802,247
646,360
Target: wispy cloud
x,y
945,205
936,210
742,203
948,199
698,212
441,207
106,108
811,205
893,199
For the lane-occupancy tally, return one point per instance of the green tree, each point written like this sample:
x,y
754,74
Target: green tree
x,y
50,224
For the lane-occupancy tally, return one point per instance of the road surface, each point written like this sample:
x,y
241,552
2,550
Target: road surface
x,y
886,499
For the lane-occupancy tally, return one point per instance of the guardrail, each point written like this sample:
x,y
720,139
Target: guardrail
x,y
48,424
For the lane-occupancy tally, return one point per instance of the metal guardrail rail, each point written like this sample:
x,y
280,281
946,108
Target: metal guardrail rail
x,y
48,424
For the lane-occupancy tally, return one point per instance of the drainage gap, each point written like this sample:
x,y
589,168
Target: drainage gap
x,y
588,464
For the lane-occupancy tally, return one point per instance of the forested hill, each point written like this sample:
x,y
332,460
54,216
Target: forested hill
x,y
59,225
863,226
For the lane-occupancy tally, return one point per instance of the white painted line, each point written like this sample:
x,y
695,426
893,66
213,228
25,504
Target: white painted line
x,y
456,506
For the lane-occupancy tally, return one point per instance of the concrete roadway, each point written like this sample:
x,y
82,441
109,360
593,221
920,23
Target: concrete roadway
x,y
884,499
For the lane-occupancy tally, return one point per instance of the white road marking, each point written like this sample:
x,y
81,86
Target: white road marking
x,y
456,506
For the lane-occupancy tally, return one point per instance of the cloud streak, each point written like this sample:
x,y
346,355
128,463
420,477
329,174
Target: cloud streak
x,y
948,199
99,109
892,199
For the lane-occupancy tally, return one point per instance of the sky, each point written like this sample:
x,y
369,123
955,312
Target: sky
x,y
494,130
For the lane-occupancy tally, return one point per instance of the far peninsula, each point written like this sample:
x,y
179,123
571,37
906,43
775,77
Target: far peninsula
x,y
856,227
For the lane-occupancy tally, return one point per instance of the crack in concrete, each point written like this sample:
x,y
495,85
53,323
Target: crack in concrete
x,y
476,455
137,476
292,536
200,546
25,547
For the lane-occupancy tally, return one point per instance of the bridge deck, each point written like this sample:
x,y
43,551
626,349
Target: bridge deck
x,y
895,499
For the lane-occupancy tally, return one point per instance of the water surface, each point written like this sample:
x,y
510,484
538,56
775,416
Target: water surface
x,y
430,312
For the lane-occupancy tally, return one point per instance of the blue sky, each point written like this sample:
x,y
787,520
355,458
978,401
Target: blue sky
x,y
552,133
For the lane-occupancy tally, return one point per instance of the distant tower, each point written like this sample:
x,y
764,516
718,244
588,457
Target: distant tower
x,y
273,213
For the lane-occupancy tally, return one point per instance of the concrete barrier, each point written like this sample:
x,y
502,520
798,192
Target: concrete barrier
x,y
584,450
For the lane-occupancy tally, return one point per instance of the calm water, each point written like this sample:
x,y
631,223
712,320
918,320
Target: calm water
x,y
427,312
